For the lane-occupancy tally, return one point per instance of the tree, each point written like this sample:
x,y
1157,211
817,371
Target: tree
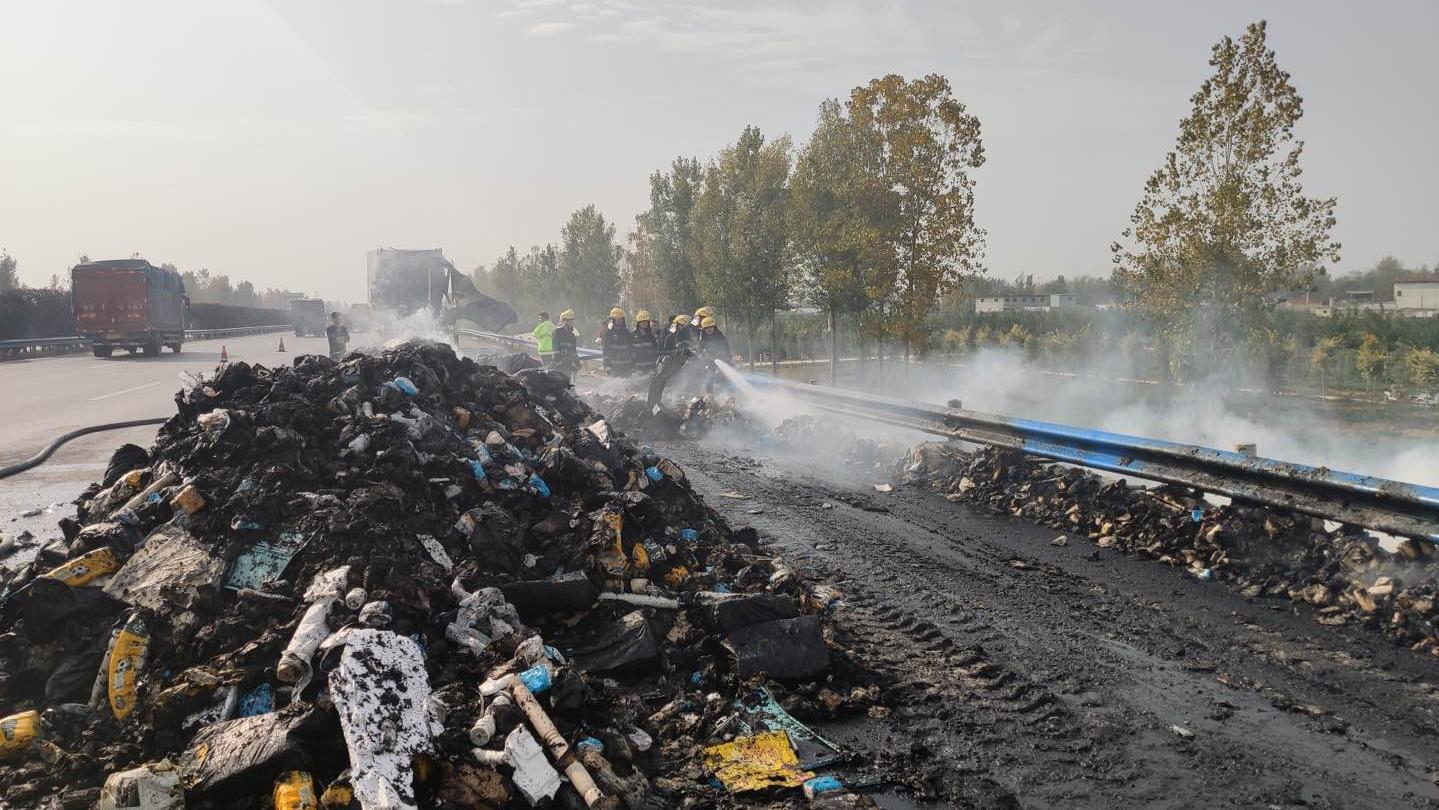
x,y
9,272
1324,349
643,285
1224,220
928,144
739,250
1423,366
589,263
670,224
1370,359
504,279
837,200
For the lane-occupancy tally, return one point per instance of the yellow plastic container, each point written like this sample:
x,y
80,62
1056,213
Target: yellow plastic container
x,y
86,568
18,731
295,790
126,661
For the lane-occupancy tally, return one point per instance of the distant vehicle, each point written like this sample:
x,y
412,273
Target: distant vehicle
x,y
358,318
307,316
407,281
129,304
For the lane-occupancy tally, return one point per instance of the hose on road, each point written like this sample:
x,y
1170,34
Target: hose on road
x,y
40,457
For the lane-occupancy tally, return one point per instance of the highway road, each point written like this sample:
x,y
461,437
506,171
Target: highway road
x,y
47,396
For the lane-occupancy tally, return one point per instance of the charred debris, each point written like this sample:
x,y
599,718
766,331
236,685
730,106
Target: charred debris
x,y
405,580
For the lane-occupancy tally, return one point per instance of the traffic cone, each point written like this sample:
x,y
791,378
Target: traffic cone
x,y
224,355
282,345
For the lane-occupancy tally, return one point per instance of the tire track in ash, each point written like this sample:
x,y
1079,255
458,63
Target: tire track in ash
x,y
1056,683
956,692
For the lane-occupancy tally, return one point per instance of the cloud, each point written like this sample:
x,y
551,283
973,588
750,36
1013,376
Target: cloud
x,y
549,29
1011,25
515,12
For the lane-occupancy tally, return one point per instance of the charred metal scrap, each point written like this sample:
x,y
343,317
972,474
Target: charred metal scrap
x,y
406,580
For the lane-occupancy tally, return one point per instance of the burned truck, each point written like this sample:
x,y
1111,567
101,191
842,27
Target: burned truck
x,y
404,282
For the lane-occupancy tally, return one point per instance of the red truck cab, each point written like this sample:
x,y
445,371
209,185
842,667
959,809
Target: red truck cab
x,y
129,304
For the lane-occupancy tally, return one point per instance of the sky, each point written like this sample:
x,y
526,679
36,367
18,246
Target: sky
x,y
280,141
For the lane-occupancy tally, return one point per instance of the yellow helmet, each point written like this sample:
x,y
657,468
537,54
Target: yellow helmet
x,y
704,312
681,320
567,315
707,323
617,313
642,315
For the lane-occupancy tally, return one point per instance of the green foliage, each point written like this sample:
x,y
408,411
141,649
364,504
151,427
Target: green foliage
x,y
1371,358
1224,220
588,276
740,245
836,211
9,272
1422,365
928,143
669,228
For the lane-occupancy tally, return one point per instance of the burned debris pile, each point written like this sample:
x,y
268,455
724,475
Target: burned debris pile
x,y
826,437
1262,553
407,579
691,418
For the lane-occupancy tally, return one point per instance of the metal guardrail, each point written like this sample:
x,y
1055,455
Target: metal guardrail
x,y
1396,507
1410,510
522,343
57,345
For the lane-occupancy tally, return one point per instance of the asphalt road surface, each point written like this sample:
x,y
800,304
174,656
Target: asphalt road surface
x,y
47,396
1021,674
1036,676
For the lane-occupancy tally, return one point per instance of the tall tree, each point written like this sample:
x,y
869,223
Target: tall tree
x,y
929,144
589,263
9,271
740,245
1224,220
837,204
670,222
643,285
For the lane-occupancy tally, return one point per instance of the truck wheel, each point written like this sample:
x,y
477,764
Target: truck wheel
x,y
102,351
175,347
152,347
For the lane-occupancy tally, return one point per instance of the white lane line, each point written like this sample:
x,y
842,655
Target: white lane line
x,y
127,390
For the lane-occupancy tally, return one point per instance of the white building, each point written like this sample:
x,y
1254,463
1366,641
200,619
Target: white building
x,y
1416,295
1022,303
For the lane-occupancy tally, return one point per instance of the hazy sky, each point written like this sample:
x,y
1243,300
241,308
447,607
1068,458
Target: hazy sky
x,y
279,141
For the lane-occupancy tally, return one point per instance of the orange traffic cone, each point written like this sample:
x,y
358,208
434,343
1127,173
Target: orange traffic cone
x,y
282,345
224,355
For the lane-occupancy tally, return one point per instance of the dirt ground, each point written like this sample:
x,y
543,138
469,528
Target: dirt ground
x,y
1030,675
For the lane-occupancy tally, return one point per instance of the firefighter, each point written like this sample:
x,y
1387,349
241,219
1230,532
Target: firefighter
x,y
676,336
566,346
700,314
617,345
645,342
544,335
713,345
338,336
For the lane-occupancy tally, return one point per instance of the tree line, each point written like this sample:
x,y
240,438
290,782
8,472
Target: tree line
x,y
871,221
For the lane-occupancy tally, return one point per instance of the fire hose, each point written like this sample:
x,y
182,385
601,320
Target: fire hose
x,y
49,450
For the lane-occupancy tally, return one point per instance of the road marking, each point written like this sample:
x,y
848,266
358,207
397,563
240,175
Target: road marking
x,y
127,390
